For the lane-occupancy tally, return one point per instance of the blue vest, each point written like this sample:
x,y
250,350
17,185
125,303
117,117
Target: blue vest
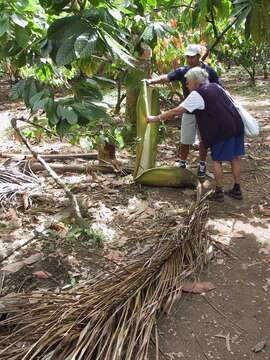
x,y
220,119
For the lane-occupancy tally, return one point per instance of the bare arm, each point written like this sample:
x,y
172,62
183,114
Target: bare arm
x,y
158,80
167,115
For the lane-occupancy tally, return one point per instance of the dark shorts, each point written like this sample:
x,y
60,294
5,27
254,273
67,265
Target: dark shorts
x,y
227,150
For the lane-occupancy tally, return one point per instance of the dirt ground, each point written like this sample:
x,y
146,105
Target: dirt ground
x,y
225,323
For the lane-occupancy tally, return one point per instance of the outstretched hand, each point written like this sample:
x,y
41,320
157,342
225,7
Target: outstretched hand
x,y
152,119
149,81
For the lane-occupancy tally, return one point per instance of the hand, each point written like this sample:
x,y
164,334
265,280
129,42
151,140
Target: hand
x,y
152,119
149,81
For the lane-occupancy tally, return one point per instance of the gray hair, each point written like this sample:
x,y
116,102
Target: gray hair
x,y
198,74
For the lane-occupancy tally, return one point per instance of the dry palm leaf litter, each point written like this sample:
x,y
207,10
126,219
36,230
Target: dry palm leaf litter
x,y
14,184
111,316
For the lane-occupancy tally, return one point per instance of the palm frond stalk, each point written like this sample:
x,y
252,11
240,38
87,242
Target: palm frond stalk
x,y
110,317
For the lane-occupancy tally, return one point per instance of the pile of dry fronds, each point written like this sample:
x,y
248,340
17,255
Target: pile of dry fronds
x,y
14,183
110,317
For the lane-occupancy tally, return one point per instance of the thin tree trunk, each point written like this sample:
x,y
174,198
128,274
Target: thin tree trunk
x,y
120,97
131,102
265,71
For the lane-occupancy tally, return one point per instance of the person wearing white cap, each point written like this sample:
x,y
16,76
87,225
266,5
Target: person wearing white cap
x,y
189,127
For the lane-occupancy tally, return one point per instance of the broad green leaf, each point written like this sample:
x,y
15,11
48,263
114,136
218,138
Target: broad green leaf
x,y
30,89
50,109
66,27
148,33
17,90
242,15
66,53
86,45
90,111
117,49
62,128
104,82
247,26
19,20
39,105
223,8
37,97
116,14
4,22
87,88
22,36
67,113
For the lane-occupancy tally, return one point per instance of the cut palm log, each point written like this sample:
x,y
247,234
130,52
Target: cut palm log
x,y
87,169
51,157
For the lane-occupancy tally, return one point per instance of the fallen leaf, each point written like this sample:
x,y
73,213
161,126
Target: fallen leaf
x,y
259,347
265,250
32,259
114,255
14,267
224,239
198,288
61,228
15,221
25,200
42,274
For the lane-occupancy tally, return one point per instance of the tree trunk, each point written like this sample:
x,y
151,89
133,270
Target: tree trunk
x,y
106,152
131,102
265,72
120,97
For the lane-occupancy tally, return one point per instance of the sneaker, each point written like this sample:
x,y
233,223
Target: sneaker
x,y
236,194
181,164
201,171
217,196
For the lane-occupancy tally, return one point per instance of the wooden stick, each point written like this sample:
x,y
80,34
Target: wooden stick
x,y
72,198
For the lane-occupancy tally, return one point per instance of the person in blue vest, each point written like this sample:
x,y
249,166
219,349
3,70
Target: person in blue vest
x,y
220,125
188,124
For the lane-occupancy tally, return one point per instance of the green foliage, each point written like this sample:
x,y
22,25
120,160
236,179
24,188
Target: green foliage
x,y
155,31
50,42
82,108
248,54
77,238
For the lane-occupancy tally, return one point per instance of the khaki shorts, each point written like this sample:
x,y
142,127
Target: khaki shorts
x,y
189,129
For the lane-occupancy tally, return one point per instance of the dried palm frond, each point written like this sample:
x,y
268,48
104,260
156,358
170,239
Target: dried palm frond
x,y
109,317
14,183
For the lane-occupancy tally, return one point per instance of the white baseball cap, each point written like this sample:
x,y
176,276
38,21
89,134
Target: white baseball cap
x,y
193,49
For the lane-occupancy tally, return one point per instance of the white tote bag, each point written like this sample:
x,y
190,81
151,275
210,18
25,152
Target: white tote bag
x,y
251,125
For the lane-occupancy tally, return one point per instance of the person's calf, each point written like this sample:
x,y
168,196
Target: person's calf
x,y
184,151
